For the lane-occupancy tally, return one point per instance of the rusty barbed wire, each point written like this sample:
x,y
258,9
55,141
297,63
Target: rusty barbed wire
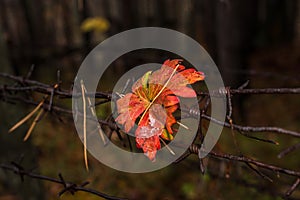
x,y
9,93
67,185
195,149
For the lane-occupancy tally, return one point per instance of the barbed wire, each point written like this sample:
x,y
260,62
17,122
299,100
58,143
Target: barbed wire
x,y
195,149
67,185
9,93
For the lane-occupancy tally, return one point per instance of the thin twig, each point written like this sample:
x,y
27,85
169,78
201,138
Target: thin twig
x,y
259,173
258,139
29,73
288,150
52,95
290,191
229,115
244,85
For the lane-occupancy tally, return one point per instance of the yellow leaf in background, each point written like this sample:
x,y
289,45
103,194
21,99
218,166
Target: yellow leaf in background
x,y
97,24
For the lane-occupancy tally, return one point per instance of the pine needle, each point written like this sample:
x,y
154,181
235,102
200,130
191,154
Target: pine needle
x,y
35,121
171,151
26,117
84,127
93,111
184,126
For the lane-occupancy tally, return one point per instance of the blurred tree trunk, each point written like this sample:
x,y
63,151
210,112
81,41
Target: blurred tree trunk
x,y
207,9
277,20
34,14
236,26
12,145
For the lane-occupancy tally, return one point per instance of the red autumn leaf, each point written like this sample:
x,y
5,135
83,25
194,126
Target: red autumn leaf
x,y
152,103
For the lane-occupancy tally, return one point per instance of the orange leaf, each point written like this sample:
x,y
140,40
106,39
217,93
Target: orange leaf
x,y
153,101
129,109
149,146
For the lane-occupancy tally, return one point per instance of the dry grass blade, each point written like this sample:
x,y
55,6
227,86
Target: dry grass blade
x,y
93,111
84,126
159,93
35,121
26,117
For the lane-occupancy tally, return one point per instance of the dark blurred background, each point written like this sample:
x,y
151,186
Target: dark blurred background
x,y
256,40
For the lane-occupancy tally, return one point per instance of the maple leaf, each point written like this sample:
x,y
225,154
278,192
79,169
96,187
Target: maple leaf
x,y
152,102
